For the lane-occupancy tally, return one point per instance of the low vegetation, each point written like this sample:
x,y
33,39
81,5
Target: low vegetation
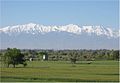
x,y
63,71
59,66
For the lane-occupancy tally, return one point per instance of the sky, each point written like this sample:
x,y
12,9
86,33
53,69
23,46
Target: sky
x,y
61,12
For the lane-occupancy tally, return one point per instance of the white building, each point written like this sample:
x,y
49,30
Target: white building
x,y
45,57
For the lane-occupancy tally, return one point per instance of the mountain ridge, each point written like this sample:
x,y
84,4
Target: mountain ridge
x,y
32,28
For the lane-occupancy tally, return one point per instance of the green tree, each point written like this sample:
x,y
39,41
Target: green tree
x,y
73,57
1,55
14,57
116,55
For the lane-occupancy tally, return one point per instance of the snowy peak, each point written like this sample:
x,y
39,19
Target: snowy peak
x,y
33,28
100,30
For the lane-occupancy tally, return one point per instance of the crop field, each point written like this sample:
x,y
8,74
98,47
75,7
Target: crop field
x,y
62,71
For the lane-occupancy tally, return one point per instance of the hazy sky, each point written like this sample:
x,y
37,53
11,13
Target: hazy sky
x,y
51,12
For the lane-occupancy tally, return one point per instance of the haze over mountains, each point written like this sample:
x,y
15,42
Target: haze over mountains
x,y
69,36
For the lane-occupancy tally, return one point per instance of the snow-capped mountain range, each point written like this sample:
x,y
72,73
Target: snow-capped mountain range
x,y
32,28
69,36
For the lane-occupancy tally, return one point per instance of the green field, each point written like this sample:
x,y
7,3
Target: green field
x,y
63,71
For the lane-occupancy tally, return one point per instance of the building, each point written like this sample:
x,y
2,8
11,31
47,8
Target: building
x,y
45,57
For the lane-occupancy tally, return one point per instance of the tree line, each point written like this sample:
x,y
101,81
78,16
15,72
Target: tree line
x,y
16,56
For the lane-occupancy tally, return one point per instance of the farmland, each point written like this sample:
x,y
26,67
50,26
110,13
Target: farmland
x,y
62,71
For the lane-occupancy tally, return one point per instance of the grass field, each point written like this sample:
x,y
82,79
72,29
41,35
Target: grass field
x,y
62,71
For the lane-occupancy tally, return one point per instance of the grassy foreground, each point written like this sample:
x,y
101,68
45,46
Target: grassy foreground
x,y
63,71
